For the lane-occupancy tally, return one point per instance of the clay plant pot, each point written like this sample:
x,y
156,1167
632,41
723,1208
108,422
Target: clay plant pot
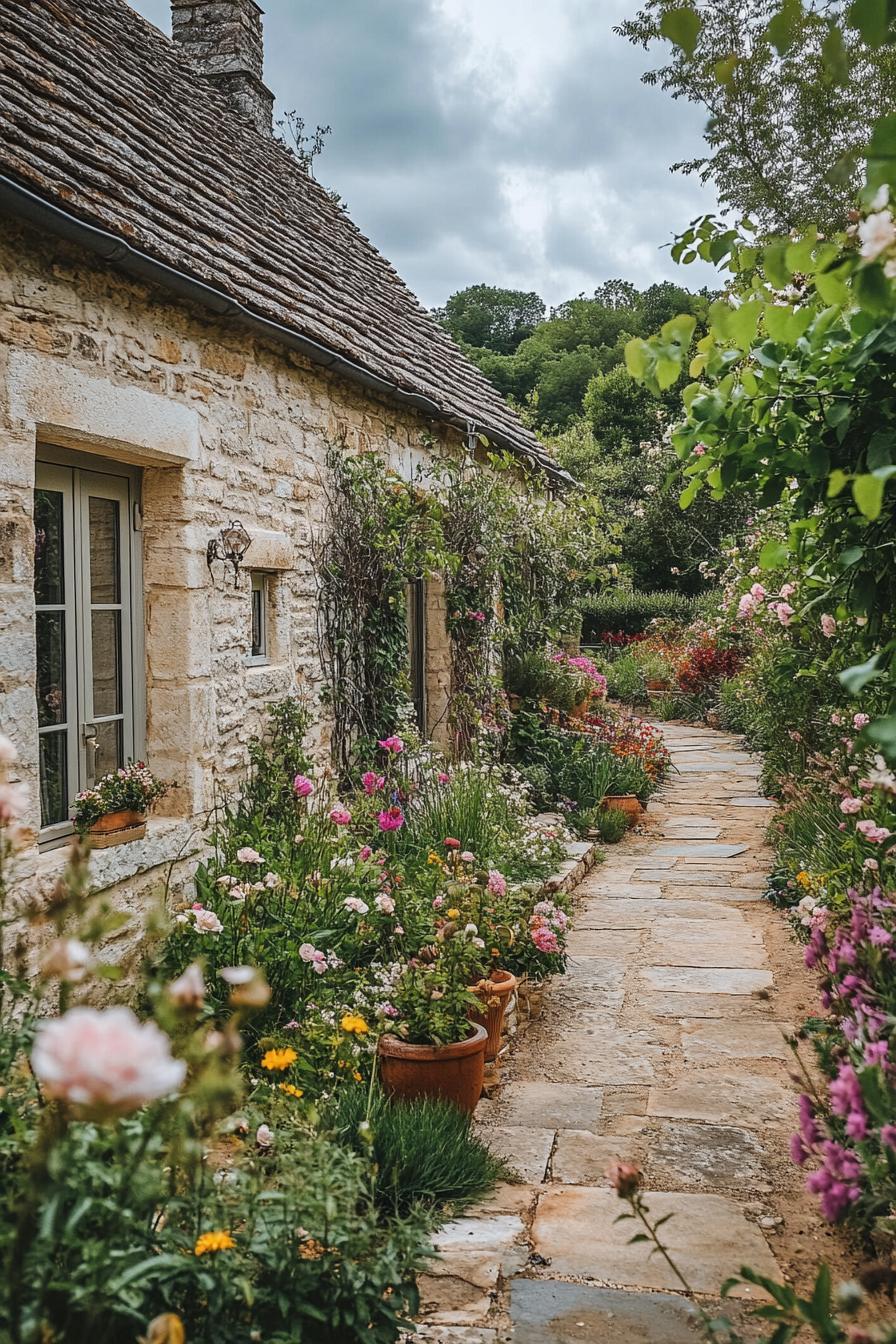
x,y
117,821
624,802
581,709
452,1072
495,994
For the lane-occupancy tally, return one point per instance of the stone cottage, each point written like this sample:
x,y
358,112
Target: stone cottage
x,y
187,320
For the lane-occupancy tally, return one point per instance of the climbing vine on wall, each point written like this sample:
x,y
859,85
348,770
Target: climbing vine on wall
x,y
381,532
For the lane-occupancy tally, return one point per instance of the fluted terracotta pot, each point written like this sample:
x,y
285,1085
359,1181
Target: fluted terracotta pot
x,y
453,1072
495,994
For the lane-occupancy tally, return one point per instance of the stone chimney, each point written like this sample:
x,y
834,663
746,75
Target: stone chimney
x,y
224,39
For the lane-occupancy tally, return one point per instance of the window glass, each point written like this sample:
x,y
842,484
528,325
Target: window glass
x,y
258,645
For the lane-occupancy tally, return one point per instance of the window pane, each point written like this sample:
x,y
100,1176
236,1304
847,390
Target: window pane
x,y
108,754
105,640
258,596
49,575
53,778
51,668
105,567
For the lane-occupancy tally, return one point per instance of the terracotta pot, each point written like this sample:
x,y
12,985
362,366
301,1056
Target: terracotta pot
x,y
495,993
581,709
624,802
657,684
452,1072
117,821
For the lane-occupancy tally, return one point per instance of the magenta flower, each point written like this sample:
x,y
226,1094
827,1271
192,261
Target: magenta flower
x,y
372,781
545,940
364,853
859,721
393,744
392,819
340,816
302,786
698,450
443,777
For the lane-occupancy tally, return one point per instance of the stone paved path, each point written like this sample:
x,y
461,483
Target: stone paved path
x,y
664,1045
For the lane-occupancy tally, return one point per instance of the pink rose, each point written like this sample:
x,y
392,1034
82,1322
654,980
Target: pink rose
x,y
757,591
302,786
784,612
206,921
340,816
787,590
393,744
850,806
248,855
828,626
859,721
104,1061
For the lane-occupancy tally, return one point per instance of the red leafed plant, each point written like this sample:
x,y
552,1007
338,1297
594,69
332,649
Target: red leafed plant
x,y
705,665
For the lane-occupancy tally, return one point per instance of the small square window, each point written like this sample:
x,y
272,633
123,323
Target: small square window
x,y
258,642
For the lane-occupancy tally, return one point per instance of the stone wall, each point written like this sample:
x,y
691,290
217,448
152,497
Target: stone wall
x,y
223,426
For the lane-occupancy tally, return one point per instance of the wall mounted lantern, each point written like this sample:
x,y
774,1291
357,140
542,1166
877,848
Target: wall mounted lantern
x,y
230,545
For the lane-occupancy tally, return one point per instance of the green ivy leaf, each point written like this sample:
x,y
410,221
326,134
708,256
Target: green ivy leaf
x,y
682,26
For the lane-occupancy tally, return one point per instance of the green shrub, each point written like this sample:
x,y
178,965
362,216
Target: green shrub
x,y
424,1152
733,705
629,776
629,612
625,681
612,825
535,676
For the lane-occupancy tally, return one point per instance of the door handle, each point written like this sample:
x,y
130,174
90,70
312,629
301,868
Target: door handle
x,y
91,747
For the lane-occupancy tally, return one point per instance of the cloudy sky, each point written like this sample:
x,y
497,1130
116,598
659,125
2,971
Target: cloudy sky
x,y
508,142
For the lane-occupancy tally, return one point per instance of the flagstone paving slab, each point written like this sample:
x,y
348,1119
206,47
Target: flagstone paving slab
x,y
697,851
706,979
575,1228
723,1097
527,1151
705,952
604,943
709,1006
683,1155
546,1105
600,1054
545,1311
706,1042
582,1158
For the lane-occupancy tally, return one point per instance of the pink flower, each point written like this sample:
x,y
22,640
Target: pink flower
x,y
188,990
264,1138
372,781
206,921
851,806
545,940
497,883
871,831
784,612
104,1061
757,592
837,720
385,905
860,720
478,616
699,450
828,626
746,607
392,819
393,744
248,855
356,905
450,843
443,777
787,590
438,902
872,865
364,853
340,816
302,786
468,856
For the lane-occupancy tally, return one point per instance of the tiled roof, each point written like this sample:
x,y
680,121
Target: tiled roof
x,y
104,117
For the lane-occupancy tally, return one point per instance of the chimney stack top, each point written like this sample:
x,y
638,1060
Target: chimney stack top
x,y
224,38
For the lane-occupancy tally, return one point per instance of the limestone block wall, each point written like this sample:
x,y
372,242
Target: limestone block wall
x,y
223,426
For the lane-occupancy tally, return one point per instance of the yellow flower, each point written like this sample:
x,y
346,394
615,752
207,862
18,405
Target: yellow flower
x,y
353,1023
311,1249
453,913
291,1090
278,1060
213,1241
804,879
357,1076
434,858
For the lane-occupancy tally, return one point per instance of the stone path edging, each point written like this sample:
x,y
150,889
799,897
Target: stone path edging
x,y
662,1044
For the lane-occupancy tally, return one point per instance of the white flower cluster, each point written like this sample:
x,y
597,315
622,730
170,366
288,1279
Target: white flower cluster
x,y
877,234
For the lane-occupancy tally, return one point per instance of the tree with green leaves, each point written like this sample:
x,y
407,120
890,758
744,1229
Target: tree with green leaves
x,y
791,91
490,318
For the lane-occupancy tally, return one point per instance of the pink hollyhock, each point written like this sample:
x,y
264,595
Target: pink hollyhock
x,y
340,816
393,744
104,1061
391,820
302,786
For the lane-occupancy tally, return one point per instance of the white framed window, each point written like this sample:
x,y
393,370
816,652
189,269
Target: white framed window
x,y
89,629
260,617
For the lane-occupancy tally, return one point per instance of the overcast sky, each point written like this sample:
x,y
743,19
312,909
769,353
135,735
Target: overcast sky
x,y
505,142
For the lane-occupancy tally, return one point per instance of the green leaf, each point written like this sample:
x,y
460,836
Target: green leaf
x,y
636,357
775,265
682,26
883,732
856,678
880,450
689,493
680,329
872,19
782,29
868,493
872,288
724,69
833,53
774,555
837,481
831,288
